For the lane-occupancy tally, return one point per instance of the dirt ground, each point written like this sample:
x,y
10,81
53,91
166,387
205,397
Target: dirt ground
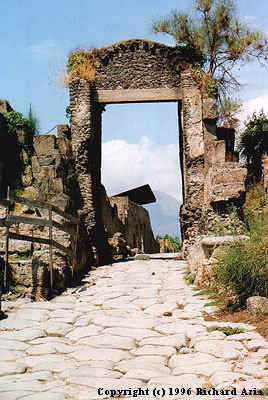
x,y
241,316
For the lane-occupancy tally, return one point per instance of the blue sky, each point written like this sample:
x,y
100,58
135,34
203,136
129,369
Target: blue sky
x,y
36,37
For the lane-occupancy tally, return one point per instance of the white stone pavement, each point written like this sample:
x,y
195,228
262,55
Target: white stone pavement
x,y
138,325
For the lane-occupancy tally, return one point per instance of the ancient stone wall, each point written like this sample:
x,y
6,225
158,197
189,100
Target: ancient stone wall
x,y
138,64
120,214
137,226
47,174
212,180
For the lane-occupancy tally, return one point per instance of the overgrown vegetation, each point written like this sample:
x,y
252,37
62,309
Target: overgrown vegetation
x,y
253,144
15,120
172,244
82,64
215,31
227,330
243,267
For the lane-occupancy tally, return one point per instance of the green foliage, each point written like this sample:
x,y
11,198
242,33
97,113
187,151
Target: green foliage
x,y
27,255
254,143
173,241
228,112
33,121
215,31
16,120
227,330
82,64
244,268
221,230
68,112
190,277
142,257
264,392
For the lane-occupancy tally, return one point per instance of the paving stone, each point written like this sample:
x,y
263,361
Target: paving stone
x,y
244,336
39,305
53,363
145,362
33,386
90,372
185,381
105,383
135,333
13,345
177,341
202,369
48,348
64,314
93,353
148,350
15,395
146,323
147,374
11,368
87,339
190,359
57,328
49,339
104,364
10,355
15,323
160,309
64,299
47,396
33,315
109,341
255,345
23,335
82,332
38,376
254,370
230,377
84,321
171,328
224,350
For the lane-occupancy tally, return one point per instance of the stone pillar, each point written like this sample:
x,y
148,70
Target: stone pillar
x,y
193,159
86,144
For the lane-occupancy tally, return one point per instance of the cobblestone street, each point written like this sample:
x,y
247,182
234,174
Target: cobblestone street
x,y
130,325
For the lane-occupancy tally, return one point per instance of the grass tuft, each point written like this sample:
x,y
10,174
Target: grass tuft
x,y
227,330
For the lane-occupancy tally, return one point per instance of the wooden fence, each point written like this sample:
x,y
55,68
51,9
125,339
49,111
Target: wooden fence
x,y
71,227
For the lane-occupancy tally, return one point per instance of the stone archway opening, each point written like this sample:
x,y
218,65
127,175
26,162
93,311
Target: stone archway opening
x,y
143,71
140,145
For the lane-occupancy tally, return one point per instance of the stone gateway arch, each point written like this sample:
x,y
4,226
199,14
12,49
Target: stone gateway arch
x,y
144,71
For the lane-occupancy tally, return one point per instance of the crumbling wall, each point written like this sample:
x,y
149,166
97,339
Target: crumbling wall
x,y
137,225
206,155
121,215
47,174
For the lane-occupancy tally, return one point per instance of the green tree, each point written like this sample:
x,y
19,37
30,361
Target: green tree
x,y
253,143
33,121
215,31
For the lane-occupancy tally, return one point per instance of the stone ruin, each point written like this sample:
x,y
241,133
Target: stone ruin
x,y
67,169
144,71
42,167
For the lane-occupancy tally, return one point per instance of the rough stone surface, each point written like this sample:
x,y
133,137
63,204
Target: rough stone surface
x,y
257,305
125,348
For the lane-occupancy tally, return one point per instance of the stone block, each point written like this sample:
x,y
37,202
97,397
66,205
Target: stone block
x,y
257,305
27,177
63,131
44,144
210,108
